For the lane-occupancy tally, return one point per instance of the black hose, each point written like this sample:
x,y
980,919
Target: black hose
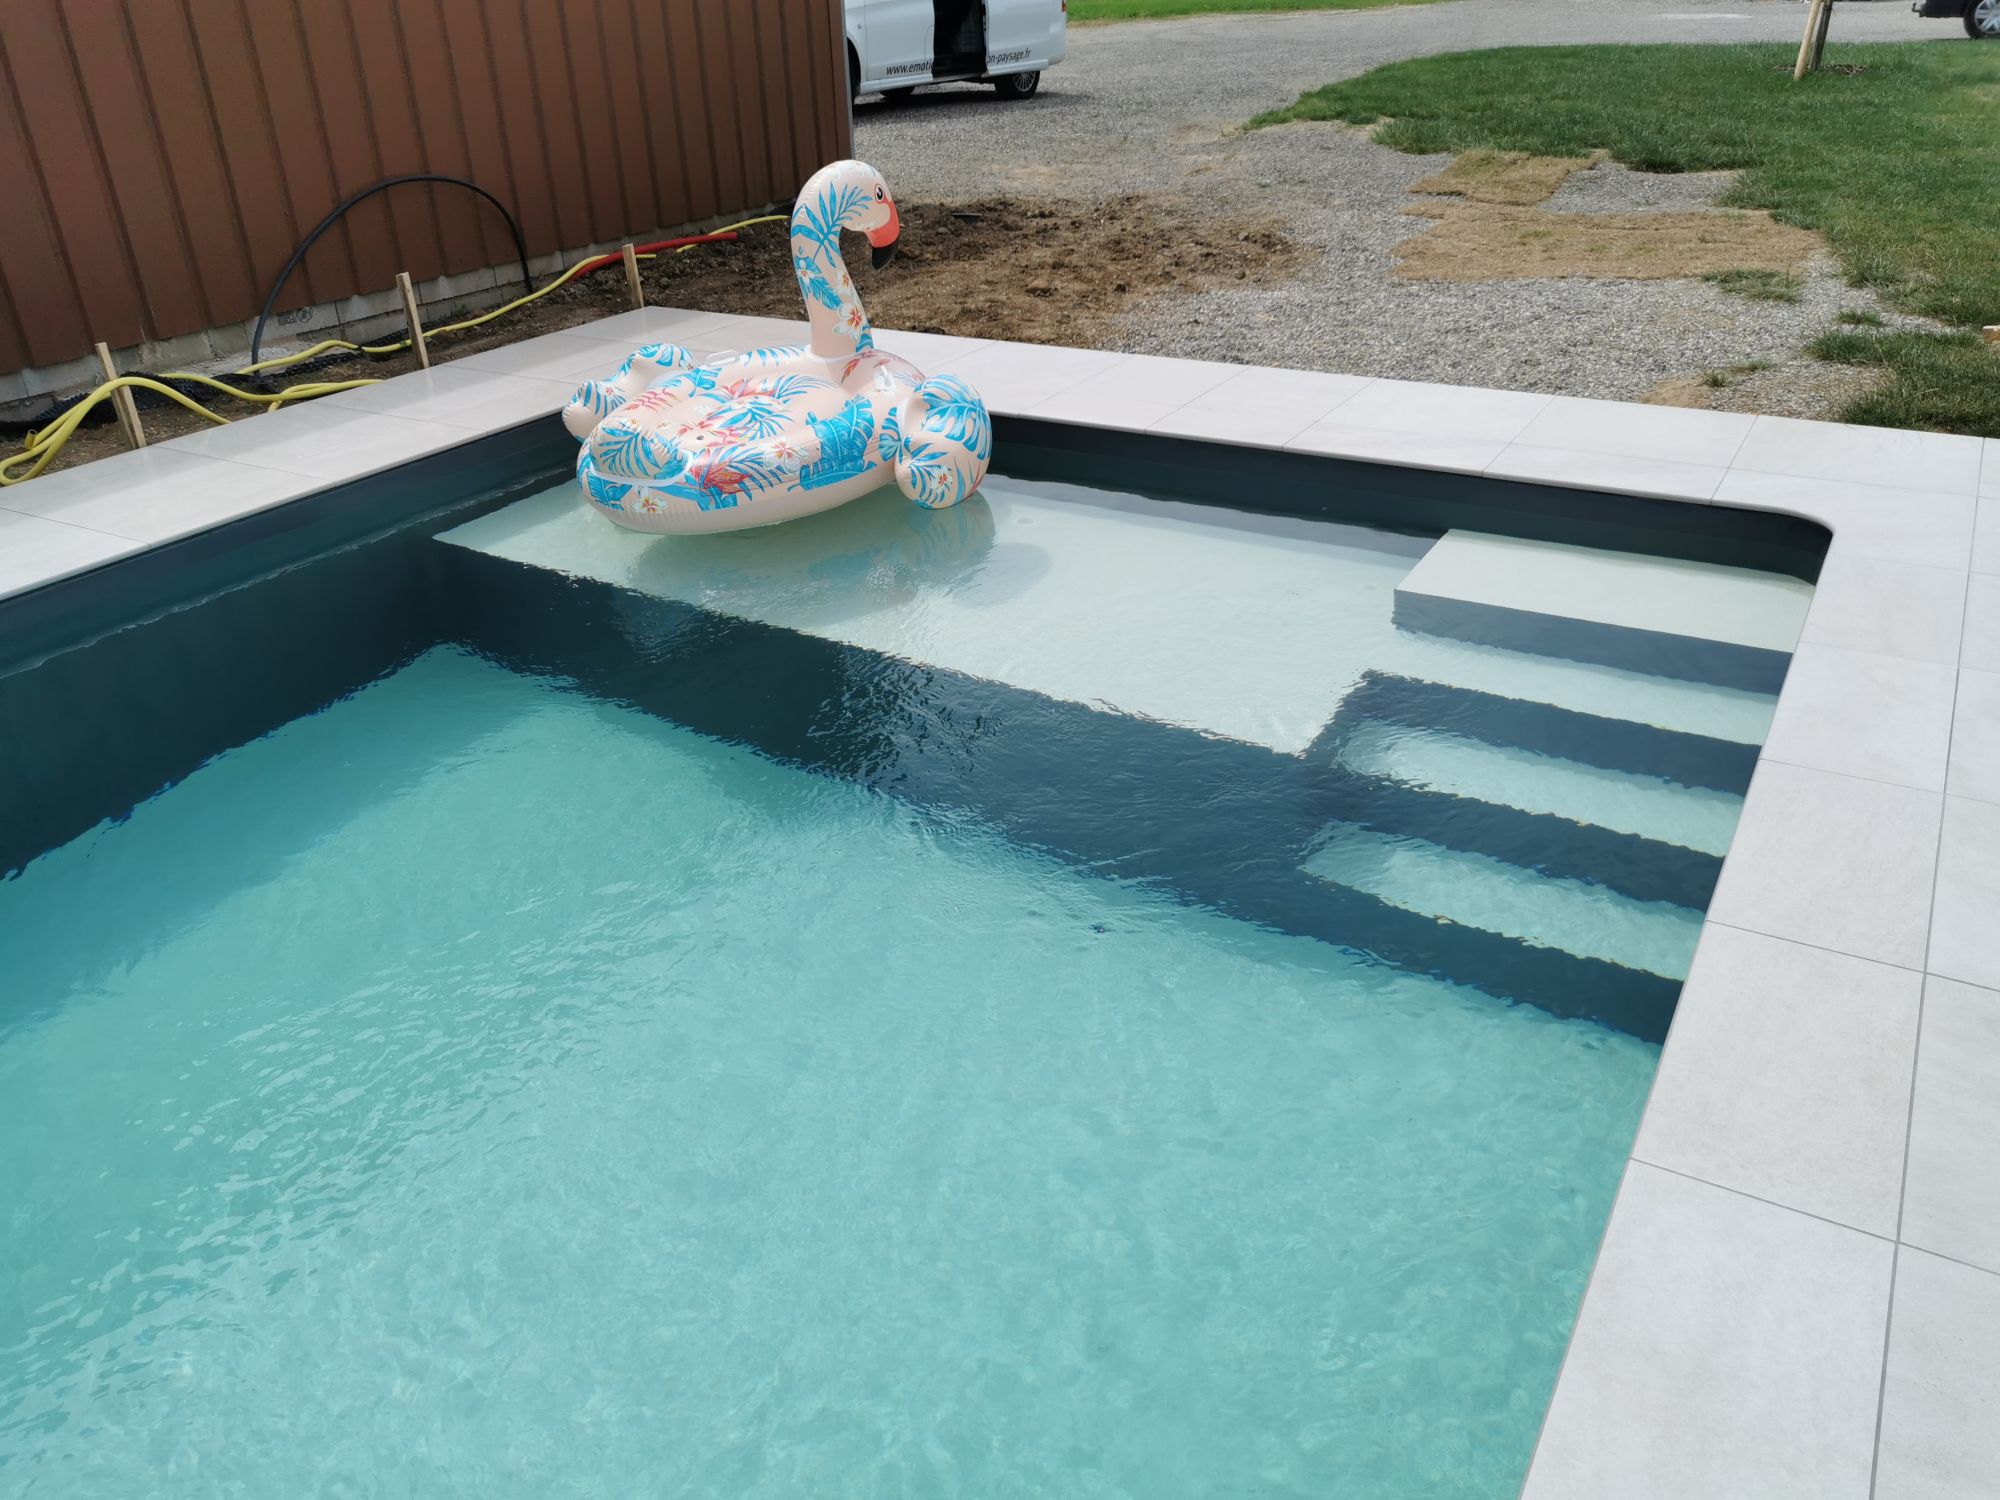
x,y
270,302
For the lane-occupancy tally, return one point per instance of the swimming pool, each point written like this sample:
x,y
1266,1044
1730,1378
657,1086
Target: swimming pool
x,y
1019,999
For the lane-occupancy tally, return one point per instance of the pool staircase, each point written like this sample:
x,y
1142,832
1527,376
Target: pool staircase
x,y
1574,851
1460,814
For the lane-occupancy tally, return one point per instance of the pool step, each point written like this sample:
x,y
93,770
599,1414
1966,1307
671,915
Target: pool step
x,y
1663,616
1611,744
1569,854
1577,917
1645,807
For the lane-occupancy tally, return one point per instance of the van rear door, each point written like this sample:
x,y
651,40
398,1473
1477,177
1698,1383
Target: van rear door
x,y
1022,35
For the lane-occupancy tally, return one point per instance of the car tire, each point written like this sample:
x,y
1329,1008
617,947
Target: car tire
x,y
1982,20
1018,85
853,76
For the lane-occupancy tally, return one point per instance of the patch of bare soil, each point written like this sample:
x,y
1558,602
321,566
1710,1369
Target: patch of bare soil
x,y
1498,242
1489,229
1036,270
1041,271
1511,177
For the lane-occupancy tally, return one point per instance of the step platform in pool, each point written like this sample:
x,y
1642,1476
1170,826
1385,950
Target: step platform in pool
x,y
1697,621
1249,626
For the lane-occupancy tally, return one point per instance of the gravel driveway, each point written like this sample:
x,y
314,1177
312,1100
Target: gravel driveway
x,y
1155,106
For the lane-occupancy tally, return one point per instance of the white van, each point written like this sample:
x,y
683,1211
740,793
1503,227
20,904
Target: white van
x,y
895,45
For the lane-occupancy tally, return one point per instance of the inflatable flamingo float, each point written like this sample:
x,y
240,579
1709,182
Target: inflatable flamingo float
x,y
676,444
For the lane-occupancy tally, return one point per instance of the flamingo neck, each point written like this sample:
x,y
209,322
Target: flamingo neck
x,y
840,327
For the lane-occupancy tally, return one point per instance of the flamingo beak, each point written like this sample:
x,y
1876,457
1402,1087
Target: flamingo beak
x,y
883,238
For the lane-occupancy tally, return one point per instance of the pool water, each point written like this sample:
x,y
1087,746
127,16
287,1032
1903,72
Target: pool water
x,y
478,1089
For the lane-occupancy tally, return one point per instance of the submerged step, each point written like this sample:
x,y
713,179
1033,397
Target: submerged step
x,y
1647,807
1524,723
1571,916
1701,622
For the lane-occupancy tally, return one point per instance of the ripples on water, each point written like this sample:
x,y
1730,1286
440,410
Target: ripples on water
x,y
474,1090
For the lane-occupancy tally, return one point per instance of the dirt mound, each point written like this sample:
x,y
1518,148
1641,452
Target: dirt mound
x,y
1038,270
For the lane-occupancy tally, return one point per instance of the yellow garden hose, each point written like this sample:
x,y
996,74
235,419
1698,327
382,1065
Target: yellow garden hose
x,y
40,447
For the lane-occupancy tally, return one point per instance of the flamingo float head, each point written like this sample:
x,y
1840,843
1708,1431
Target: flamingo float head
x,y
848,195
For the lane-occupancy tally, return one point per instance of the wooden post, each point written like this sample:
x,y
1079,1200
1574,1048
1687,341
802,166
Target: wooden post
x,y
416,323
1991,333
1813,34
632,283
122,402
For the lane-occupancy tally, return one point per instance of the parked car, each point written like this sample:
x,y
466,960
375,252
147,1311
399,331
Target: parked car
x,y
1982,17
894,46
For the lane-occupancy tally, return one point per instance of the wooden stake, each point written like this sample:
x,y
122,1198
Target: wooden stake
x,y
632,278
1991,333
1806,42
122,402
416,323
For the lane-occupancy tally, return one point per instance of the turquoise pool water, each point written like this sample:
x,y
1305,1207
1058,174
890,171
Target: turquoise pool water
x,y
477,1090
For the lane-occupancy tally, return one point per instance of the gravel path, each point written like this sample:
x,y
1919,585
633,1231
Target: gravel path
x,y
1154,106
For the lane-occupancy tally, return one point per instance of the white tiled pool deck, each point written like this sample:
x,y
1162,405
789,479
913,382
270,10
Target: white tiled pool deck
x,y
1799,1290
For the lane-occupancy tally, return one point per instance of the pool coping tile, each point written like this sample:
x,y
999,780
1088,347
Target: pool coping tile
x,y
1941,1383
1732,1337
1786,1076
1649,1407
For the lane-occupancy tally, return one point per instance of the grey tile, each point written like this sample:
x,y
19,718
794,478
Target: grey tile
x,y
1726,1348
1865,714
1453,413
1861,455
554,356
1016,378
1986,535
1787,1076
320,441
35,551
925,350
475,400
1975,737
1392,445
1603,471
1630,430
1898,609
1931,527
1951,1198
1262,407
157,493
1982,623
742,334
655,325
1965,923
1941,1389
1135,393
1989,473
1833,861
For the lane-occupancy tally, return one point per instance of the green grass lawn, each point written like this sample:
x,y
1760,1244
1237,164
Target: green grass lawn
x,y
1897,164
1143,10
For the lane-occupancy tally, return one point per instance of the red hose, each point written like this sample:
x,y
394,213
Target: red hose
x,y
598,262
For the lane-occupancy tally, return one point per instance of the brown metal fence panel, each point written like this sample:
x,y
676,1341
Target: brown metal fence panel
x,y
159,159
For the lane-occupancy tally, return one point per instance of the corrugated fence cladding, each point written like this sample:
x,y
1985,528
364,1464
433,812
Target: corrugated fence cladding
x,y
159,159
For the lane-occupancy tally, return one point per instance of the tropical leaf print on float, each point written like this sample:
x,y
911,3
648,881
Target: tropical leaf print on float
x,y
675,444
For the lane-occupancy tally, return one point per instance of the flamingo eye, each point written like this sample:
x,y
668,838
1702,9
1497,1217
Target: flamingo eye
x,y
879,195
